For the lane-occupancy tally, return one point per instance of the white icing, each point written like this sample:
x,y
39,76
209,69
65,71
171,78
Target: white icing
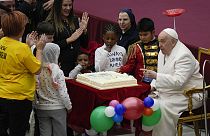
x,y
107,80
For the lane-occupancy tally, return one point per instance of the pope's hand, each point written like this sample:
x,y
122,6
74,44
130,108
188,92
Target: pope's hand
x,y
150,73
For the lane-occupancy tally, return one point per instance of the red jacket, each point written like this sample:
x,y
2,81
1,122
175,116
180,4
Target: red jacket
x,y
135,62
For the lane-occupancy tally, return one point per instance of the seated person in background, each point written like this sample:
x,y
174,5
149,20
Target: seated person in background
x,y
142,54
83,65
52,101
178,70
110,56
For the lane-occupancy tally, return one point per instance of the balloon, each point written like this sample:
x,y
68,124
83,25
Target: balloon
x,y
147,128
156,105
117,118
99,121
91,132
113,103
148,102
147,111
119,109
109,111
134,108
153,119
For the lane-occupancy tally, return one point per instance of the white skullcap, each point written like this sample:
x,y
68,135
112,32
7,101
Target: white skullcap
x,y
171,32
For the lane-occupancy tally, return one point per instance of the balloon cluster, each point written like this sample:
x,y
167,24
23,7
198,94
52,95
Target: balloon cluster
x,y
151,114
102,118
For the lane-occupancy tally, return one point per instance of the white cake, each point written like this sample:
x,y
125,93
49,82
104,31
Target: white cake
x,y
106,80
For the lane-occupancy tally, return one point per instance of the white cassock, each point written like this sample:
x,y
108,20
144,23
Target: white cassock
x,y
180,72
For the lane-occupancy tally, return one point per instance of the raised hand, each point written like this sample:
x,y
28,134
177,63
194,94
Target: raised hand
x,y
48,5
41,42
84,21
32,38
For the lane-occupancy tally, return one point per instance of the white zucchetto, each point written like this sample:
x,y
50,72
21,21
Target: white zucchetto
x,y
171,32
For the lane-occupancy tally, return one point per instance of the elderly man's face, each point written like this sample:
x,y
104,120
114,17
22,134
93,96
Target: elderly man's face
x,y
165,43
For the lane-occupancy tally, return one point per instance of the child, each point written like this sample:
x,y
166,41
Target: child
x,y
53,100
144,53
110,56
83,65
44,31
42,28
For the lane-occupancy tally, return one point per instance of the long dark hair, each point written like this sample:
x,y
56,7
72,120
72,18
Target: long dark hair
x,y
55,16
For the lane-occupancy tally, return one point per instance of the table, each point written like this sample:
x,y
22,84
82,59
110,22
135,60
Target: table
x,y
84,99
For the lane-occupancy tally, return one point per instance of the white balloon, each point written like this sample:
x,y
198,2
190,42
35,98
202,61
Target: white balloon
x,y
147,128
91,132
156,105
109,111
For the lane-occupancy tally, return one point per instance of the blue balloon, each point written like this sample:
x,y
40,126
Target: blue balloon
x,y
119,109
117,118
148,102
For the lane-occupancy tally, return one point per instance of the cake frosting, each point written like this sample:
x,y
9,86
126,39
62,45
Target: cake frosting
x,y
107,80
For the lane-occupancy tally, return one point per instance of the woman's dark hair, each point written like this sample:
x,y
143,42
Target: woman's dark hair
x,y
145,25
55,16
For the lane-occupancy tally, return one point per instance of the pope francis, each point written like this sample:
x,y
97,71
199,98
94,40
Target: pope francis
x,y
178,70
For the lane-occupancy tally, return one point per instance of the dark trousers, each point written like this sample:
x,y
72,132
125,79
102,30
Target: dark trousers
x,y
14,115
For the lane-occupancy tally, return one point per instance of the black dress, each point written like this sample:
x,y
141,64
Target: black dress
x,y
129,37
68,52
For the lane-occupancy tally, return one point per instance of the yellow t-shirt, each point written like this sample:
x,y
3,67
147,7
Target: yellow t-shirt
x,y
17,68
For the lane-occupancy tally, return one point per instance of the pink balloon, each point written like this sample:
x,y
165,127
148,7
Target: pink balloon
x,y
134,108
113,103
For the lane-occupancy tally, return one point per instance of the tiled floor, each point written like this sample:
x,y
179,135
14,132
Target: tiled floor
x,y
187,131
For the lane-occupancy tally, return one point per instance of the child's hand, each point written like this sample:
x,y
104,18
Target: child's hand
x,y
117,70
68,111
41,42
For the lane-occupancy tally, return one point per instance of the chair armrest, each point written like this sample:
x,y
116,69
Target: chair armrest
x,y
195,90
189,94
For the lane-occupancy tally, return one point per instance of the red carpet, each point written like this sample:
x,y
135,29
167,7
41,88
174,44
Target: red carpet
x,y
193,26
